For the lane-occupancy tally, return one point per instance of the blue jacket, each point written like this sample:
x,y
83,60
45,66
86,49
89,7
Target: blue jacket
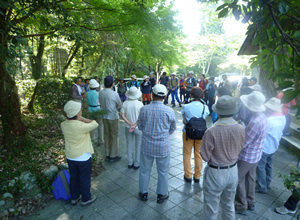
x,y
146,87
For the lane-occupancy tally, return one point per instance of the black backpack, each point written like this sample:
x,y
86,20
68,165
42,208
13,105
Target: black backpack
x,y
196,127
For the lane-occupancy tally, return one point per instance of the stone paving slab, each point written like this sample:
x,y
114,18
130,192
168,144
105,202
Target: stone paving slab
x,y
117,190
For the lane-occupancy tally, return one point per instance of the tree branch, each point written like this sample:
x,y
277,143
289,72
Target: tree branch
x,y
38,35
102,29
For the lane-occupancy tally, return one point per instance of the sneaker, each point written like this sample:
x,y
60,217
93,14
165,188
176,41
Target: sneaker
x,y
283,211
251,207
115,159
107,158
196,180
136,167
241,212
143,196
161,198
173,104
130,166
74,202
180,105
93,198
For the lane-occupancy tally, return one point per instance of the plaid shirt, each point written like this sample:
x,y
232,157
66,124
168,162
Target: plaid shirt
x,y
157,122
256,132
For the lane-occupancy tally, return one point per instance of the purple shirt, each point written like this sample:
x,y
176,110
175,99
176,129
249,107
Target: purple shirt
x,y
255,134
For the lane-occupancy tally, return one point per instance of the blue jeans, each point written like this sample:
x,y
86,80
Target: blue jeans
x,y
175,94
80,179
264,172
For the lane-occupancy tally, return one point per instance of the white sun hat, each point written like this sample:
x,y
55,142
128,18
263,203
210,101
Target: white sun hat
x,y
93,83
274,104
72,108
133,93
255,87
133,76
254,101
173,74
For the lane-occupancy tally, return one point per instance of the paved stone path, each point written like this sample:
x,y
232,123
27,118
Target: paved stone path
x,y
117,190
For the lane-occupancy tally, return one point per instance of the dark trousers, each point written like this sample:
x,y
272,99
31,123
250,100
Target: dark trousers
x,y
182,94
167,97
187,96
80,179
291,203
211,101
288,120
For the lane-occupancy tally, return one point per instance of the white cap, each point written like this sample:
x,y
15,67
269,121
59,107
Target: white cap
x,y
160,90
72,108
173,74
191,72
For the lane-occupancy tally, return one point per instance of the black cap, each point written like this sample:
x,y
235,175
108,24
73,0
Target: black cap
x,y
253,78
108,79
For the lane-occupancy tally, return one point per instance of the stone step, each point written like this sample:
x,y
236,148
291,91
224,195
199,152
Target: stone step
x,y
294,130
291,143
294,119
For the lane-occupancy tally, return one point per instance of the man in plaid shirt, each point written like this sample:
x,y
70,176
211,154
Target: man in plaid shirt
x,y
251,112
157,122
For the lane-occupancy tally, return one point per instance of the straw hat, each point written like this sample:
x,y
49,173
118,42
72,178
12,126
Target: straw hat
x,y
72,108
226,105
133,76
93,83
133,93
274,104
254,101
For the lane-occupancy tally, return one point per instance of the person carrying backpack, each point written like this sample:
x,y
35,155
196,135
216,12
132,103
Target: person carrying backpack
x,y
133,82
193,115
190,83
121,89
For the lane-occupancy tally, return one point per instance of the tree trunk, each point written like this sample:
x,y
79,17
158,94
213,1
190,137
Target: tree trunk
x,y
30,104
70,59
36,61
267,85
131,67
98,61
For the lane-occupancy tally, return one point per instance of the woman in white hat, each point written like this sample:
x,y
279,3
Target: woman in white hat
x,y
133,82
92,97
79,150
276,122
130,112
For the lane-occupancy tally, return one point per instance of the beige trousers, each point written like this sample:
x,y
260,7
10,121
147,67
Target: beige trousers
x,y
188,146
111,137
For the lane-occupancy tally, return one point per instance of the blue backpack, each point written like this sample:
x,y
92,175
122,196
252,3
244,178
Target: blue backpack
x,y
61,184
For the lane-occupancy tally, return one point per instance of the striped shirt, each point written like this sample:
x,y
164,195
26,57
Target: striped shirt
x,y
157,122
255,134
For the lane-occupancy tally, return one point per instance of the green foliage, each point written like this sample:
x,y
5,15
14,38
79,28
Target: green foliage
x,y
275,28
292,182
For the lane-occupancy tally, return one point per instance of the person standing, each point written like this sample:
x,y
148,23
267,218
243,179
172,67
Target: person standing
x,y
276,122
164,80
121,89
182,86
152,79
79,149
211,89
202,84
130,112
251,113
198,110
174,89
190,83
224,78
146,90
289,207
92,97
221,146
111,102
76,90
157,122
133,82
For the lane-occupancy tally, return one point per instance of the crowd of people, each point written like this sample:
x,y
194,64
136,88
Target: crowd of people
x,y
238,148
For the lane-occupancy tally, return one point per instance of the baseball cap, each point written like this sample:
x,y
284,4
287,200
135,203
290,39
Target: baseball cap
x,y
160,90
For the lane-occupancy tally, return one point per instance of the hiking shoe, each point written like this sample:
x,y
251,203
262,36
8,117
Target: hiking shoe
x,y
173,104
161,198
93,198
283,211
74,202
143,196
107,158
180,105
136,168
130,166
